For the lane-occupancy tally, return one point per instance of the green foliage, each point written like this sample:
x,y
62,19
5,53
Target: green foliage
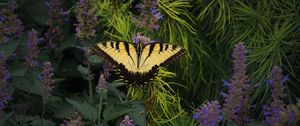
x,y
268,28
87,110
207,29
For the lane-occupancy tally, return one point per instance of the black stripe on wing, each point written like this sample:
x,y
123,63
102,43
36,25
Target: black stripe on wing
x,y
128,51
115,45
181,52
97,50
165,47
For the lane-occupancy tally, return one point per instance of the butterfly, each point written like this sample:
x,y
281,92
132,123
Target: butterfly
x,y
138,63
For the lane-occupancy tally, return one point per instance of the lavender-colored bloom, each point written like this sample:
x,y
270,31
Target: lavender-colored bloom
x,y
10,25
276,83
223,94
149,16
226,84
138,38
127,121
33,51
2,19
74,121
274,112
209,114
4,76
53,36
285,78
293,114
47,78
237,106
56,23
56,13
102,83
107,69
86,19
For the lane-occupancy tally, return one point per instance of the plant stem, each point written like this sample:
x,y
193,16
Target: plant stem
x,y
90,88
90,80
43,111
99,110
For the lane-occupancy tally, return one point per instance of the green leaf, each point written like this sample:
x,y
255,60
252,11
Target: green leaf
x,y
38,122
230,123
95,59
85,109
115,110
18,70
5,117
11,89
65,110
33,121
9,48
82,70
29,83
37,10
115,92
68,42
54,99
256,123
139,117
24,118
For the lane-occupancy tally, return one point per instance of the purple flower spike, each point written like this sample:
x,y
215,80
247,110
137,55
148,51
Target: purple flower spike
x,y
293,114
33,51
47,81
150,15
285,78
226,83
224,94
56,13
105,75
237,105
102,84
56,22
138,38
10,25
209,114
4,76
274,112
127,121
86,19
2,19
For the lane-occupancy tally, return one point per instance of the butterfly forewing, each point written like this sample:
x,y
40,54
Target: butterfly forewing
x,y
118,53
160,54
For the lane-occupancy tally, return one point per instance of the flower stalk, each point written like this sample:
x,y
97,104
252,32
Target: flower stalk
x,y
33,51
10,25
4,76
47,84
86,19
237,104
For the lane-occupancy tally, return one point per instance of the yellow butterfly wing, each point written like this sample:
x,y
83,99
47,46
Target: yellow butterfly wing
x,y
138,64
118,53
158,54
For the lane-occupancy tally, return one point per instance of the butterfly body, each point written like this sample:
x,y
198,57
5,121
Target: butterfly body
x,y
138,63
